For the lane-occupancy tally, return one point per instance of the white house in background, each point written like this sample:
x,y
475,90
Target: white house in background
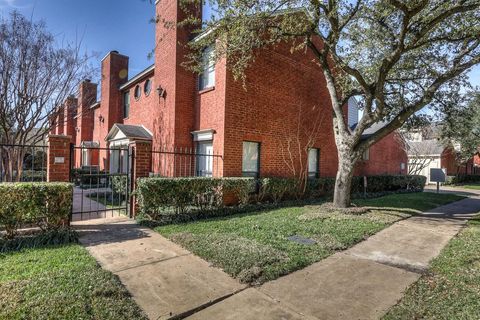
x,y
424,155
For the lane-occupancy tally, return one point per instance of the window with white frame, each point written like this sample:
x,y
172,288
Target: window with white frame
x,y
251,159
207,77
126,104
366,155
313,162
85,157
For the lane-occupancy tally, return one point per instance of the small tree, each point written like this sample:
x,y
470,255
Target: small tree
x,y
295,145
461,128
36,76
394,56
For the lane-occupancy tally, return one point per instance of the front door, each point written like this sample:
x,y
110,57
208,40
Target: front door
x,y
205,159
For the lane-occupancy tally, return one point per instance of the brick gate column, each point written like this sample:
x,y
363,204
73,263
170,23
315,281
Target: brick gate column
x,y
141,167
58,158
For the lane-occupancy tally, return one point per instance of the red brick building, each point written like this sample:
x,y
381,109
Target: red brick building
x,y
255,129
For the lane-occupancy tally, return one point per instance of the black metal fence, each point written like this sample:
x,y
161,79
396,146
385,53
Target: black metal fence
x,y
101,177
186,162
23,163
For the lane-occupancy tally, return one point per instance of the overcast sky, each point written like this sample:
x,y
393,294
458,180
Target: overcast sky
x,y
106,25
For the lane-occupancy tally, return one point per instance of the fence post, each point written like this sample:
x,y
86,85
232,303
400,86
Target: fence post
x,y
58,158
141,167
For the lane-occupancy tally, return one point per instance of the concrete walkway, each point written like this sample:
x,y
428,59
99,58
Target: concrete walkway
x,y
360,283
163,278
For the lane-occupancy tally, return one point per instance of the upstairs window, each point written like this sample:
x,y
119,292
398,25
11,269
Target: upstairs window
x,y
313,163
251,159
147,87
126,104
207,77
137,92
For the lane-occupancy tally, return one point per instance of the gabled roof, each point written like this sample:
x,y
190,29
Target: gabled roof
x,y
126,131
425,148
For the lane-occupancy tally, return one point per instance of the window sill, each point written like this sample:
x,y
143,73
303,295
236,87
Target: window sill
x,y
206,90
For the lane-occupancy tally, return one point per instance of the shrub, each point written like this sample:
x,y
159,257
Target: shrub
x,y
48,205
34,175
375,184
466,178
162,196
55,237
278,188
119,185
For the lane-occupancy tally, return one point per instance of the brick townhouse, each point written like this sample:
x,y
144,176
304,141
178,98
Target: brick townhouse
x,y
254,128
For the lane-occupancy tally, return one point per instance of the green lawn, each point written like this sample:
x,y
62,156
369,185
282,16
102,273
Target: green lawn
x,y
255,247
62,282
451,288
473,186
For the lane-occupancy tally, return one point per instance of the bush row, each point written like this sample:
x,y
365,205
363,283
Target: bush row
x,y
46,205
468,178
158,197
375,184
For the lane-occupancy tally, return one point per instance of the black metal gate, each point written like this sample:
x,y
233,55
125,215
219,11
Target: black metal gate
x,y
101,178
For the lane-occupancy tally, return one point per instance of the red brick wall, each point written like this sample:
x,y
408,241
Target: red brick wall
x,y
282,91
142,111
141,165
87,96
175,116
385,157
58,147
70,121
114,74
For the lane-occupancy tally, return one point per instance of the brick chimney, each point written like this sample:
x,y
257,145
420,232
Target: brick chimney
x,y
87,96
176,109
70,121
114,74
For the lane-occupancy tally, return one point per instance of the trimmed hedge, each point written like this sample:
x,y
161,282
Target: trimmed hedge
x,y
469,178
159,198
46,205
164,196
375,184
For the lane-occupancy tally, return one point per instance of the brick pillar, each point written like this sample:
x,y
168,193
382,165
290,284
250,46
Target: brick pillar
x,y
58,159
141,167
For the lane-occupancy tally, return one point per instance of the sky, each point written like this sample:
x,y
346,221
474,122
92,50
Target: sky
x,y
106,25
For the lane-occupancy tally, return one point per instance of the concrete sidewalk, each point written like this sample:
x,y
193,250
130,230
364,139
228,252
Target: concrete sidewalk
x,y
163,278
360,283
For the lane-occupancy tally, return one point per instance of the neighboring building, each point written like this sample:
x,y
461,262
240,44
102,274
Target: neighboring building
x,y
426,151
284,99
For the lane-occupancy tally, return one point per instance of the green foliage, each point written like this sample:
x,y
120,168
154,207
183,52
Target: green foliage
x,y
48,205
61,282
255,247
277,189
34,175
451,288
375,184
164,196
461,126
469,178
37,240
85,177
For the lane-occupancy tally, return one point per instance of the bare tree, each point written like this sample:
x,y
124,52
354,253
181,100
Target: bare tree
x,y
295,145
37,74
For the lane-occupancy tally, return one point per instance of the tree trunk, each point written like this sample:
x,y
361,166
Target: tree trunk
x,y
343,183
